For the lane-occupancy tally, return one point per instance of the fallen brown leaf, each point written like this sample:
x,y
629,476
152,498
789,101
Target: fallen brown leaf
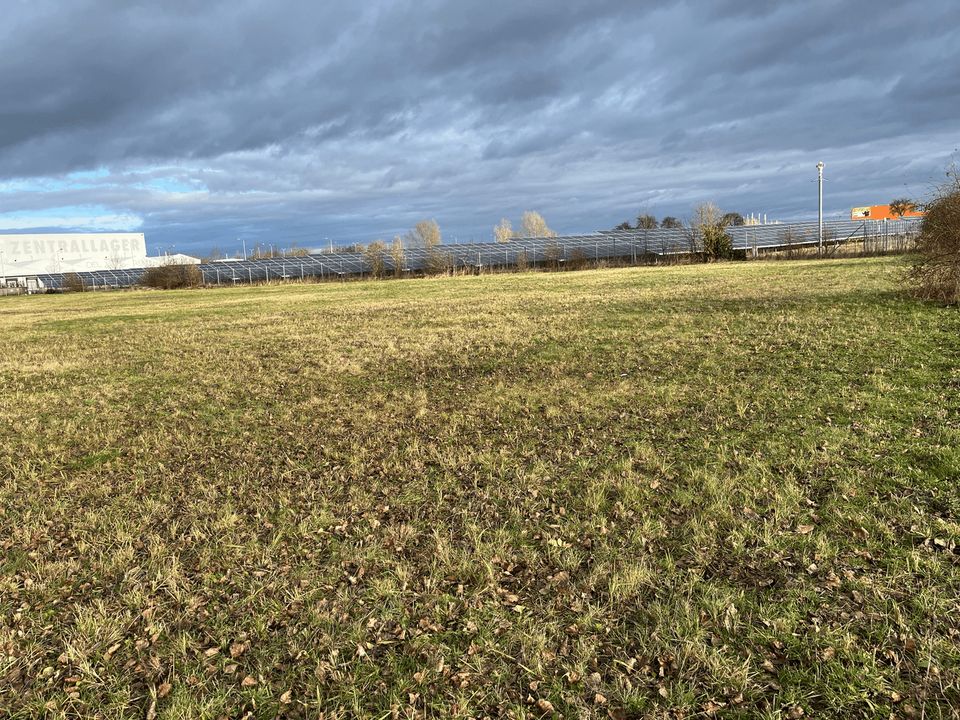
x,y
545,705
237,649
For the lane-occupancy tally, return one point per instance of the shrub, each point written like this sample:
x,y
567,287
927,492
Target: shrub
x,y
523,261
171,277
716,242
438,262
578,260
552,254
73,283
711,226
935,274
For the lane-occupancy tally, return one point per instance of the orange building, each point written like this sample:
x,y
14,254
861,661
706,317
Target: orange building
x,y
881,212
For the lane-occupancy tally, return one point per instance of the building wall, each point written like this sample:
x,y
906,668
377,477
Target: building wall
x,y
174,259
70,252
882,212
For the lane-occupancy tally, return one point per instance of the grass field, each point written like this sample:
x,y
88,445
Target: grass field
x,y
723,490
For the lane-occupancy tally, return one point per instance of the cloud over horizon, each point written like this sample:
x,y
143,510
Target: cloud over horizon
x,y
295,122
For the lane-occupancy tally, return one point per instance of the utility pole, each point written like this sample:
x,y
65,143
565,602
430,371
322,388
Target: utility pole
x,y
820,205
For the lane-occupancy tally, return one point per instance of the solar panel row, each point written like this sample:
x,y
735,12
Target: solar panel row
x,y
622,244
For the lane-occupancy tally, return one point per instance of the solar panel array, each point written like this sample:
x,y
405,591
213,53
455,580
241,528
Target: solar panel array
x,y
632,245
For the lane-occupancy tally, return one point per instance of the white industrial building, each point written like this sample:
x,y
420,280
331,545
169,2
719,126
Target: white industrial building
x,y
25,257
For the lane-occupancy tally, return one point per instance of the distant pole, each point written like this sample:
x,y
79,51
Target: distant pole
x,y
244,249
820,204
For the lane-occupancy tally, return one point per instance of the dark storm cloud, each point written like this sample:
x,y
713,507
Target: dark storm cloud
x,y
297,121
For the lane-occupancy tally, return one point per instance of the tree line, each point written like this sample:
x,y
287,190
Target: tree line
x,y
426,234
646,221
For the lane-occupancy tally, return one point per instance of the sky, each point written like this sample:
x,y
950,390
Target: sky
x,y
208,125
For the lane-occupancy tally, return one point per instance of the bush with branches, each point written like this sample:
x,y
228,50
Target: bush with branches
x,y
552,255
711,226
522,261
172,277
935,274
73,283
375,256
438,262
578,260
716,242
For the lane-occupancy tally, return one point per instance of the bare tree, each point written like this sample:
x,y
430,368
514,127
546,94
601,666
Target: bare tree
x,y
215,254
398,256
375,254
671,223
645,221
901,206
116,260
503,231
706,214
295,251
426,234
532,224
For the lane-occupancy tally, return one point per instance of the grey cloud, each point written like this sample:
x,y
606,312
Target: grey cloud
x,y
309,120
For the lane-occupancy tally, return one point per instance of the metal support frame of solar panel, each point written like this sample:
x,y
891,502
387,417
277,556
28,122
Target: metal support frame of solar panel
x,y
283,268
605,244
95,278
663,241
